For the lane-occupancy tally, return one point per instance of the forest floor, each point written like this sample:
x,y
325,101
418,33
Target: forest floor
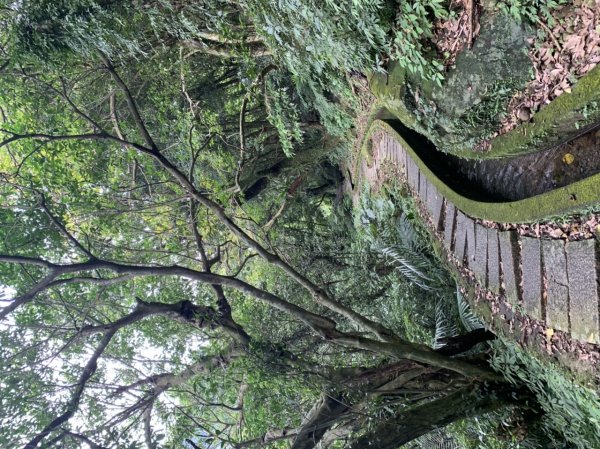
x,y
566,47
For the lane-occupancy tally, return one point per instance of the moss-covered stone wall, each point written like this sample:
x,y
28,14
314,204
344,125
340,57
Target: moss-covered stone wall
x,y
562,201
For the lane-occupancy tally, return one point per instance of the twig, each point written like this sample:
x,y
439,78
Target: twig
x,y
469,10
550,33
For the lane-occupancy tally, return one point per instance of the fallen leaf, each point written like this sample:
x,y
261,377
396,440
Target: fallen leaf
x,y
549,334
568,158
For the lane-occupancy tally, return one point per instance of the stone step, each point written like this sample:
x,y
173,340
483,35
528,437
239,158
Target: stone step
x,y
434,203
449,225
493,264
531,275
464,247
509,260
479,265
557,290
413,175
422,186
582,273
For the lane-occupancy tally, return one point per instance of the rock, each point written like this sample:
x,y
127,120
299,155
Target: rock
x,y
462,111
524,114
500,54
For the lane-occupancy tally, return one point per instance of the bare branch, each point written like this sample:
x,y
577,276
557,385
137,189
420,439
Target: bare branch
x,y
148,426
49,137
162,382
62,228
73,405
137,118
25,298
223,51
254,39
84,439
26,261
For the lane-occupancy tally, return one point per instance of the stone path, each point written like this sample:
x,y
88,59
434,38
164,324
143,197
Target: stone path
x,y
553,281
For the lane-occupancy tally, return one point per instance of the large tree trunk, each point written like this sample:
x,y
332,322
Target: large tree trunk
x,y
417,421
323,415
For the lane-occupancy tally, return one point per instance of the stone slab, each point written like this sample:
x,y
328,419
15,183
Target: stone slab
x,y
435,203
396,153
401,155
479,266
493,261
464,248
471,242
509,259
582,272
390,149
423,187
449,225
531,272
555,272
413,175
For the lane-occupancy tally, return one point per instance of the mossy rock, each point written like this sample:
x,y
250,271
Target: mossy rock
x,y
499,56
461,114
465,109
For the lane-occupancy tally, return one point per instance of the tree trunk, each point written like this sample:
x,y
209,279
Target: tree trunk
x,y
417,421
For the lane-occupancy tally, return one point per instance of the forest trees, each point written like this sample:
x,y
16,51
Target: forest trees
x,y
145,302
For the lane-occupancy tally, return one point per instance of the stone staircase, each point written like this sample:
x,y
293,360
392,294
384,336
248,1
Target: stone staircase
x,y
552,281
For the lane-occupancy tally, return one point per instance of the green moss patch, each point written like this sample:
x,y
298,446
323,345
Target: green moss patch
x,y
564,200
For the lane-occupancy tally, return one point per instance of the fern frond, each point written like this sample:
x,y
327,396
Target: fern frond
x,y
469,320
443,327
411,265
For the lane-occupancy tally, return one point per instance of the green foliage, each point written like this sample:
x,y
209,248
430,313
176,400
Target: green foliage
x,y
487,114
571,412
498,430
413,27
318,42
284,116
532,10
419,291
468,319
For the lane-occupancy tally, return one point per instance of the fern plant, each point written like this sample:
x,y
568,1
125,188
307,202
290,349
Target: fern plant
x,y
469,320
444,327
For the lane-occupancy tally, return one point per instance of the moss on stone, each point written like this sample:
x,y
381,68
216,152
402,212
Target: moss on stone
x,y
561,201
555,122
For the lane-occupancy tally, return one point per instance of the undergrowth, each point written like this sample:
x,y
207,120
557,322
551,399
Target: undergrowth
x,y
571,412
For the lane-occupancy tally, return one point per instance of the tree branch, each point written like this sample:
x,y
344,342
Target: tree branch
x,y
73,405
137,118
62,228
